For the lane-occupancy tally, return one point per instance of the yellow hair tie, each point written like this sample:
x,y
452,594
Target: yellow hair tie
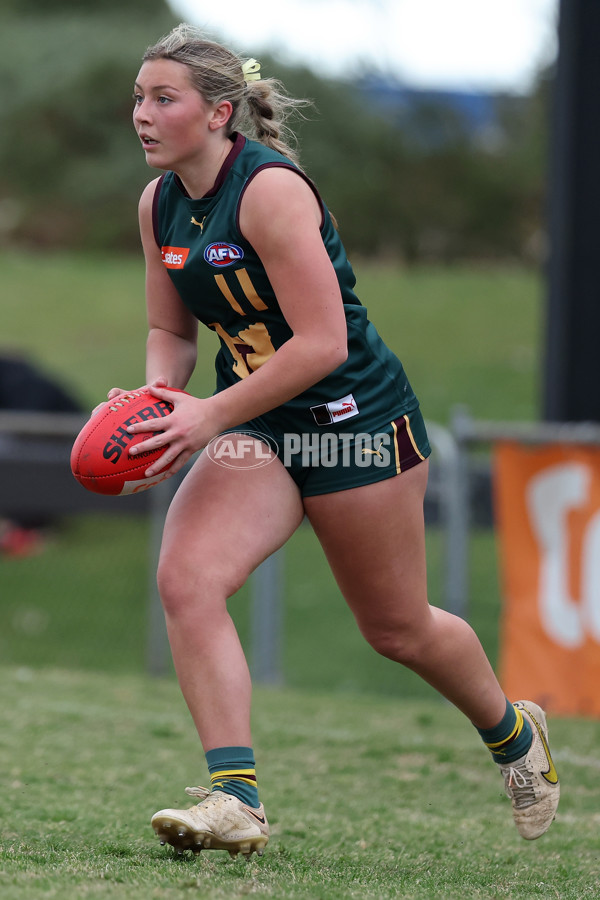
x,y
251,70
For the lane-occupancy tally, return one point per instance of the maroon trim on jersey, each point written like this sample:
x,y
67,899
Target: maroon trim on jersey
x,y
155,200
239,142
238,145
280,165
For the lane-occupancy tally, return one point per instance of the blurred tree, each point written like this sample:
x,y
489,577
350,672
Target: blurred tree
x,y
419,183
50,7
352,153
69,165
412,186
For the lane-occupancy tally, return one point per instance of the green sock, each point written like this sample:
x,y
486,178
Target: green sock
x,y
510,739
232,771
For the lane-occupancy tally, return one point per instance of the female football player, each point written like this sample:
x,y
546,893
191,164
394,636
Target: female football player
x,y
312,416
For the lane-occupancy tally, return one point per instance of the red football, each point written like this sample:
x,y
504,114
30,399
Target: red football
x,y
100,459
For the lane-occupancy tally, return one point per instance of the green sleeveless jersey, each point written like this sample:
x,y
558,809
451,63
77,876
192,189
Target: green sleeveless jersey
x,y
220,278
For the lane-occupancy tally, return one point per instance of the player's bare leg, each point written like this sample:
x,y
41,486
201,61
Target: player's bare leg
x,y
374,539
222,524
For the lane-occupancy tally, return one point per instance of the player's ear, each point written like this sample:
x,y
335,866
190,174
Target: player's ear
x,y
221,115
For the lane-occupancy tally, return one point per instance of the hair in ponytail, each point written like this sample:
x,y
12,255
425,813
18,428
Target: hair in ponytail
x,y
261,107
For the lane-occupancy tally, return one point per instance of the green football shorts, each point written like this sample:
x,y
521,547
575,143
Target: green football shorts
x,y
327,460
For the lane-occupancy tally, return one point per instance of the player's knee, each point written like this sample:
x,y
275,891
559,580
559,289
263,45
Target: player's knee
x,y
184,588
402,645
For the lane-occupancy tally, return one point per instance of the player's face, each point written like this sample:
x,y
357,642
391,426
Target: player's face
x,y
170,116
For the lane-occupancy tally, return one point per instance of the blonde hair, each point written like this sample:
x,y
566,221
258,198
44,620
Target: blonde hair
x,y
260,108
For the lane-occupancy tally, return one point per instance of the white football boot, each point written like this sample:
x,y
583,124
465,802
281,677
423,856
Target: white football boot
x,y
531,781
219,822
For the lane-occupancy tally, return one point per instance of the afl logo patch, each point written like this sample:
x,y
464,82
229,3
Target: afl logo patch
x,y
221,255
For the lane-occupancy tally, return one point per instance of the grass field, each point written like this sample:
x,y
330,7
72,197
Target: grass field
x,y
367,797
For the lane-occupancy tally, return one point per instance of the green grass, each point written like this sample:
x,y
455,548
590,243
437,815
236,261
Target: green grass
x,y
469,336
368,798
83,600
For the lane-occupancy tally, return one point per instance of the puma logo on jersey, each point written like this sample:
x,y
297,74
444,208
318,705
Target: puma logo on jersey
x,y
199,224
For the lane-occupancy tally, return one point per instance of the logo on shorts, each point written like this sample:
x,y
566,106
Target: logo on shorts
x,y
377,452
335,410
242,450
221,254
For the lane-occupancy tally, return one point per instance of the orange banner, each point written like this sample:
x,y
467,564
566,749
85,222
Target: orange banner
x,y
547,502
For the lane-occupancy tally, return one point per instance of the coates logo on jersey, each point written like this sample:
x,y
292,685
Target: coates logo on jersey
x,y
174,257
221,254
